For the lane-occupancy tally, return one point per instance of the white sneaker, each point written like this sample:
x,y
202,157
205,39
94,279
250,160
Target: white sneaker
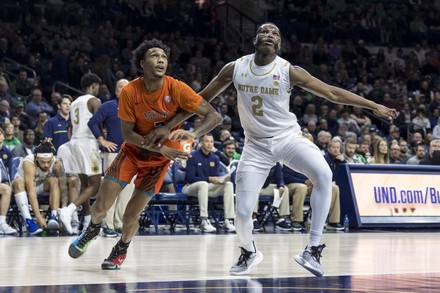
x,y
206,226
229,226
65,219
6,229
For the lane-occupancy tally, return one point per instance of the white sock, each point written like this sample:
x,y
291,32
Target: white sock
x,y
75,217
23,204
2,219
71,208
53,213
87,220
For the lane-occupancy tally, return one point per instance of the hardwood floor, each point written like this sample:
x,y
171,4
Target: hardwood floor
x,y
384,261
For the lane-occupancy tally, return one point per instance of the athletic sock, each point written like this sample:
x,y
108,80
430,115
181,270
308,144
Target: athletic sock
x,y
22,202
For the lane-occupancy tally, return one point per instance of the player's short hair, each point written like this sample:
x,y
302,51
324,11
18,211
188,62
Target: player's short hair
x,y
88,79
141,50
266,23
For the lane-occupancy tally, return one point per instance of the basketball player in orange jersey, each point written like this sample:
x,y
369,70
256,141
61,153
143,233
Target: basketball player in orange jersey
x,y
145,103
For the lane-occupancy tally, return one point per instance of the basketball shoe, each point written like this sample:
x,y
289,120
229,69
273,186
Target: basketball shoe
x,y
310,260
79,245
115,259
246,261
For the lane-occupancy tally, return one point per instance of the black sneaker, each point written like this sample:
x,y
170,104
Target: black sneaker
x,y
310,260
79,245
283,225
257,226
296,226
334,227
115,259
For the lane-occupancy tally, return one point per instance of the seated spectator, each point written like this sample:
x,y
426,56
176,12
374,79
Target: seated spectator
x,y
230,151
420,155
10,140
395,157
322,140
15,120
21,85
39,128
381,154
25,121
5,115
5,200
274,181
350,154
5,153
37,105
27,147
404,151
204,181
363,152
39,174
433,157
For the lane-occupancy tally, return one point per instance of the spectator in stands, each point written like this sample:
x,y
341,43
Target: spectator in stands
x,y
381,154
420,155
37,105
433,157
322,140
21,85
404,151
39,128
41,173
363,152
27,145
25,121
205,180
230,151
5,115
5,200
5,153
350,154
15,120
420,122
359,116
56,128
11,141
395,157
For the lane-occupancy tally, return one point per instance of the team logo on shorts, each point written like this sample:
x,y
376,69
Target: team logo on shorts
x,y
167,99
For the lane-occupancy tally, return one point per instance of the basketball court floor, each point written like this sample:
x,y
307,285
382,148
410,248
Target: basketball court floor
x,y
358,261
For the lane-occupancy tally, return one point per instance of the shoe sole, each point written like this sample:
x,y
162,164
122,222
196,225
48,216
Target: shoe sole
x,y
36,232
302,262
283,229
259,259
105,267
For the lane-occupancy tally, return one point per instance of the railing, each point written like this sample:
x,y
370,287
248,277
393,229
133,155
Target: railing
x,y
239,25
58,84
9,63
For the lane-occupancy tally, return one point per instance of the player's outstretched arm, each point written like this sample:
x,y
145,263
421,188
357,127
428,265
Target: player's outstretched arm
x,y
302,79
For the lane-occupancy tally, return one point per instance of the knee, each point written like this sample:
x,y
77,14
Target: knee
x,y
72,181
53,181
5,190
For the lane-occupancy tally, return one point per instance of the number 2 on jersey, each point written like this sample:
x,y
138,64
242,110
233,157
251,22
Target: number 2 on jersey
x,y
256,107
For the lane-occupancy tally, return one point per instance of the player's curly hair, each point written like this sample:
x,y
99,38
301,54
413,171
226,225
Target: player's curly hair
x,y
141,50
45,147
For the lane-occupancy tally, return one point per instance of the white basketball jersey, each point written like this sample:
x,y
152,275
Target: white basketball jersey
x,y
263,96
80,116
40,175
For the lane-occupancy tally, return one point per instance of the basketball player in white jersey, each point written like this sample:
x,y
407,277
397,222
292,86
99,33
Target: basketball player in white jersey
x,y
86,161
39,174
263,81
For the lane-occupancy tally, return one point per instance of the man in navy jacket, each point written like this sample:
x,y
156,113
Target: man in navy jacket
x,y
205,180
